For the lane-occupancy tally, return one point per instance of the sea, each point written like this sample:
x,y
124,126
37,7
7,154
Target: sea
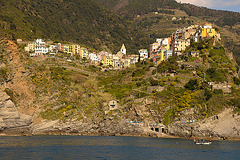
x,y
111,148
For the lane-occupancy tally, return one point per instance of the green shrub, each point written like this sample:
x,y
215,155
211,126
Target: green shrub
x,y
153,82
236,80
192,84
218,91
219,75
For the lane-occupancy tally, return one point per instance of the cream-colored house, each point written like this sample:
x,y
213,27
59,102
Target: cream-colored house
x,y
113,105
181,45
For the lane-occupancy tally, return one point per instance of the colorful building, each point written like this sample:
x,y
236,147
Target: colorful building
x,y
180,45
83,52
143,53
168,53
208,31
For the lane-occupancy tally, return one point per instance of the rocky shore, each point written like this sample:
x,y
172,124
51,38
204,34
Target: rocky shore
x,y
225,125
13,123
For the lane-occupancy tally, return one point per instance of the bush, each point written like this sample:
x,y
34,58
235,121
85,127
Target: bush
x,y
153,82
207,94
236,80
11,93
218,91
219,75
192,84
3,74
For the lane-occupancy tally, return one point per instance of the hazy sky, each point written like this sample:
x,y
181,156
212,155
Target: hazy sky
x,y
230,5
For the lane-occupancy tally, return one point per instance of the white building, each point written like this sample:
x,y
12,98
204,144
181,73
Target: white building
x,y
40,42
196,37
208,25
52,48
93,57
159,40
123,49
166,41
143,54
39,51
168,53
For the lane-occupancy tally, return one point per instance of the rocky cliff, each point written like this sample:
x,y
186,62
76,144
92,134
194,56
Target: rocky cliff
x,y
11,120
29,104
88,127
223,125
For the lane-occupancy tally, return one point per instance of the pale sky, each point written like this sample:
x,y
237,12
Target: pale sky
x,y
229,5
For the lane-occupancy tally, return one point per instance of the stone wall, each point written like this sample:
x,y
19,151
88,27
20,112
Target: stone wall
x,y
223,86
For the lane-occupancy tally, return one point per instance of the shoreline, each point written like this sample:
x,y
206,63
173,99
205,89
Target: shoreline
x,y
150,135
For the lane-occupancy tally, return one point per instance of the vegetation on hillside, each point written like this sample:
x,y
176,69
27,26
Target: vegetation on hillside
x,y
80,21
161,25
70,90
71,93
89,24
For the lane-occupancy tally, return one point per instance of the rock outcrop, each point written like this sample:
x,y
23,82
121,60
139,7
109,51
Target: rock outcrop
x,y
88,127
11,120
226,124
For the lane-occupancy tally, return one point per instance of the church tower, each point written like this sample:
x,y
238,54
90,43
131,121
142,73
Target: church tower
x,y
123,49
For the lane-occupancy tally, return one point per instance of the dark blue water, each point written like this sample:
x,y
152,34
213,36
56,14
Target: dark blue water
x,y
101,147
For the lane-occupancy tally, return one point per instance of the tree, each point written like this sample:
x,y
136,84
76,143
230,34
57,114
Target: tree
x,y
193,84
170,65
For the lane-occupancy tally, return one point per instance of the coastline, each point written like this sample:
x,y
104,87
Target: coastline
x,y
63,133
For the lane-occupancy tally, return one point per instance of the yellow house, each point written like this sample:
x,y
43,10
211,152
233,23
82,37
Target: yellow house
x,y
167,47
208,31
76,49
83,53
31,46
162,56
73,49
70,49
107,61
180,45
110,61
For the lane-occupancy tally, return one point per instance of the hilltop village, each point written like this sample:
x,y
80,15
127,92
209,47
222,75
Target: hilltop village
x,y
171,88
159,51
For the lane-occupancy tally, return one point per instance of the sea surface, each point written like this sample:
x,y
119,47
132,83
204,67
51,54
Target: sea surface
x,y
104,147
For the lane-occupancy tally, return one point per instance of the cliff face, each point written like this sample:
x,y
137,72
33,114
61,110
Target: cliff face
x,y
225,124
11,120
88,127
